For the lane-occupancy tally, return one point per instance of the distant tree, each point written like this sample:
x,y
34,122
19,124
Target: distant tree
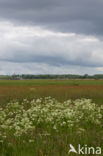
x,y
85,76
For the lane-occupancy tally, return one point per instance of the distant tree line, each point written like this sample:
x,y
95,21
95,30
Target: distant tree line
x,y
63,76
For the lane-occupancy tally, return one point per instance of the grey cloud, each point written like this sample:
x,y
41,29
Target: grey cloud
x,y
36,45
85,61
45,49
55,61
60,15
42,68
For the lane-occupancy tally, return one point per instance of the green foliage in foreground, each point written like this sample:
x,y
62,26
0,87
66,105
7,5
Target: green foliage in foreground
x,y
46,127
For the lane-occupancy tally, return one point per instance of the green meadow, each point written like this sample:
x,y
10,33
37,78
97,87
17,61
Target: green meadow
x,y
43,117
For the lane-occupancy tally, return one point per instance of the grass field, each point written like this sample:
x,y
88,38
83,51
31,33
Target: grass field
x,y
50,138
59,89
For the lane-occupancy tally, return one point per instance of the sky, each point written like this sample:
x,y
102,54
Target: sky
x,y
51,37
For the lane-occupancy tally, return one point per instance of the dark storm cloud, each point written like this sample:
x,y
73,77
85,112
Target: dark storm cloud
x,y
80,16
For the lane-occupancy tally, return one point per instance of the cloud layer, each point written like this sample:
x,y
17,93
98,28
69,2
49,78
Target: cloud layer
x,y
51,36
64,15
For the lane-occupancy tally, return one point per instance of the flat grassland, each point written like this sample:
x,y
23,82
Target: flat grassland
x,y
46,127
59,89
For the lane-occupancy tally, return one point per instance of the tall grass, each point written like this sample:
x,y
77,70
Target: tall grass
x,y
43,138
46,126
